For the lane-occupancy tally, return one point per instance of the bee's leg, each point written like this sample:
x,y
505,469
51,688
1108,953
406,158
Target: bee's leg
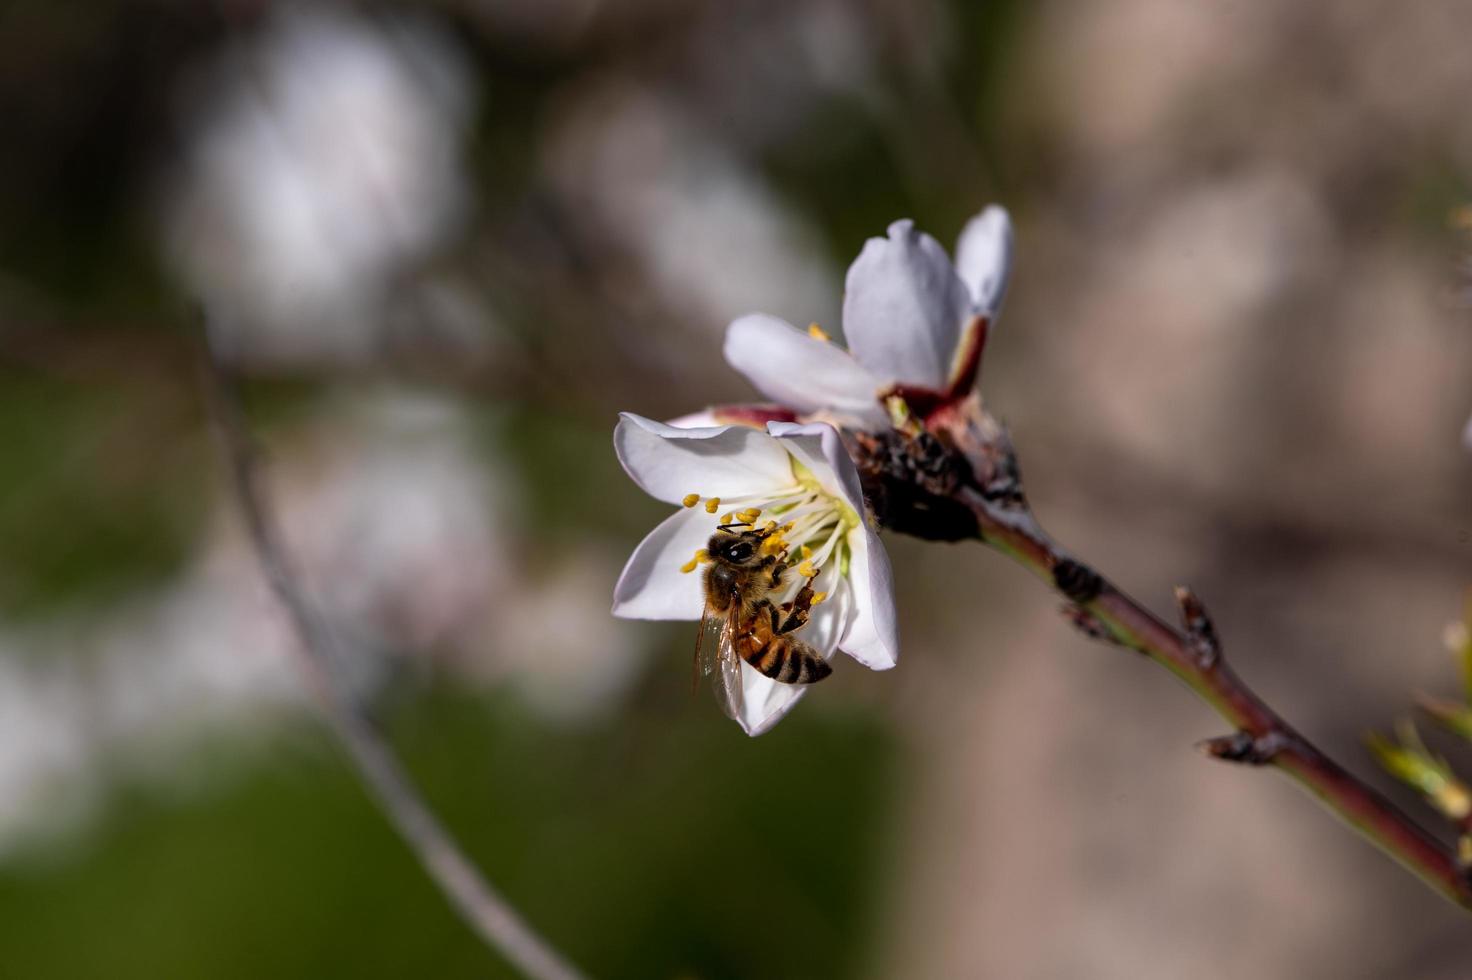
x,y
777,568
797,610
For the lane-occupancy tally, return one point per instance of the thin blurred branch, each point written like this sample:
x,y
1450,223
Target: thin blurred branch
x,y
319,648
971,463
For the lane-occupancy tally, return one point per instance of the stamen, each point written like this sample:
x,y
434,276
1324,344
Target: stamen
x,y
766,497
727,518
712,505
817,598
811,507
807,552
809,525
749,515
806,570
701,555
817,332
830,545
691,499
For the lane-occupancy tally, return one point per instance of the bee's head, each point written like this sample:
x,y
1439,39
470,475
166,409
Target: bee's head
x,y
736,547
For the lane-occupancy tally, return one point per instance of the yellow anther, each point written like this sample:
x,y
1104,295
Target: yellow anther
x,y
774,545
806,570
817,332
807,552
770,526
700,556
788,526
728,518
818,597
749,515
691,499
712,505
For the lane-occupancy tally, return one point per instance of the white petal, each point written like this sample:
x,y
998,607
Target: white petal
x,y
818,446
751,415
904,306
800,371
705,419
669,462
872,638
764,702
984,258
652,585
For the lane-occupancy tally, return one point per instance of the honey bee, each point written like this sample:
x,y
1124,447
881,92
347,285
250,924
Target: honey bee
x,y
741,622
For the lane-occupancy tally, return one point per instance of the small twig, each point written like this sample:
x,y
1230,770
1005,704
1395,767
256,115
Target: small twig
x,y
471,896
1244,748
1200,630
1087,623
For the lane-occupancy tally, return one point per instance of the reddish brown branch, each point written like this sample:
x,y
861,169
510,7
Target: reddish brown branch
x,y
965,461
1262,736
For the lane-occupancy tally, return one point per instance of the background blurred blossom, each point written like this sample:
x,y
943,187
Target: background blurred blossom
x,y
715,238
325,160
537,639
450,242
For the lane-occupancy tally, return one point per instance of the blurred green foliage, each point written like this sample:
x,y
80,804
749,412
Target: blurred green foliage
x,y
103,488
681,849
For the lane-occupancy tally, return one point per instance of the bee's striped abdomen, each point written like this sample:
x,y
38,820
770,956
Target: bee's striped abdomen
x,y
784,660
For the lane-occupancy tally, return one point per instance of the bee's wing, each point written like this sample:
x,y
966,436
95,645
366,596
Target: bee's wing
x,y
708,643
727,679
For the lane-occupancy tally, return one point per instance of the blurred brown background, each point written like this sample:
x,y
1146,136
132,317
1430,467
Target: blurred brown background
x,y
450,241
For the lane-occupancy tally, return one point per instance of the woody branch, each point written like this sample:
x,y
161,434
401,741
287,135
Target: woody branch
x,y
319,648
957,479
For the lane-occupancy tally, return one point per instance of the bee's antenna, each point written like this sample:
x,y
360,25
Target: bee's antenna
x,y
727,527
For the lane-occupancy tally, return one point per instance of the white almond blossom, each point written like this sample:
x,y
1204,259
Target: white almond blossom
x,y
800,478
915,325
325,161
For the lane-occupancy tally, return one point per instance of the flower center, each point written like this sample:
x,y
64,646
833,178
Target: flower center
x,y
806,527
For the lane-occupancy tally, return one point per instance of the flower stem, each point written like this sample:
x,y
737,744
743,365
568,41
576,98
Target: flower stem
x,y
957,479
1262,736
